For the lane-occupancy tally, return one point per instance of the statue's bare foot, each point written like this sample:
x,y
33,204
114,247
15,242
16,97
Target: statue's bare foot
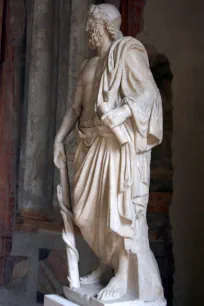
x,y
93,277
116,288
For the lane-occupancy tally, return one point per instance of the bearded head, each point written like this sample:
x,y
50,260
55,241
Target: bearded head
x,y
103,18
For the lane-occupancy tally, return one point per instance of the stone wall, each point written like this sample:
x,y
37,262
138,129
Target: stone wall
x,y
7,137
55,47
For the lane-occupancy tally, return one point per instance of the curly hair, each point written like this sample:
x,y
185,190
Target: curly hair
x,y
113,29
101,17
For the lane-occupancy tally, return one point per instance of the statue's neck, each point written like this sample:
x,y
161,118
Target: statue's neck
x,y
105,47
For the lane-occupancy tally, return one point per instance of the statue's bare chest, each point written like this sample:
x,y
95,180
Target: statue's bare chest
x,y
93,72
91,78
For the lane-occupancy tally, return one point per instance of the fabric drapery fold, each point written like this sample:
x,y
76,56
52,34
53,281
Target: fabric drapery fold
x,y
127,72
97,164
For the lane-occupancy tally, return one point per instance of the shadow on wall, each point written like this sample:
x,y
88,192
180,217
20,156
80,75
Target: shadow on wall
x,y
161,176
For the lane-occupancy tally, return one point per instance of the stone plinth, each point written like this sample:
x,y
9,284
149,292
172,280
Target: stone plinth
x,y
56,300
85,296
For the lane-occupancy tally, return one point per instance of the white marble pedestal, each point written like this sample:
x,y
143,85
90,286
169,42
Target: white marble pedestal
x,y
56,300
85,296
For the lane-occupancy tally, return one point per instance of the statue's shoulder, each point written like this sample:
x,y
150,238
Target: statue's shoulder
x,y
125,46
124,50
129,43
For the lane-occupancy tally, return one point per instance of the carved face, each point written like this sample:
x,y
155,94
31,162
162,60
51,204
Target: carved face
x,y
95,30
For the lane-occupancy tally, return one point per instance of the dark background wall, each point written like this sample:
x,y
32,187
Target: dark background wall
x,y
175,28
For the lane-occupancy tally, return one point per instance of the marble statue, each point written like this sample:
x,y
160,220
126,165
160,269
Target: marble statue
x,y
117,112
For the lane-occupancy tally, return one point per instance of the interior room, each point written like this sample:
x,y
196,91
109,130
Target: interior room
x,y
42,46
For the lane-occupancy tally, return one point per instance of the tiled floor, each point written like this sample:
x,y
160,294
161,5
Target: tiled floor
x,y
31,268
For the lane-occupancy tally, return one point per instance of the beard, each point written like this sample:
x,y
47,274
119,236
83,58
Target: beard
x,y
95,38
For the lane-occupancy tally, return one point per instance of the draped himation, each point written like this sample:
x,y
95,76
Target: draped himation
x,y
112,179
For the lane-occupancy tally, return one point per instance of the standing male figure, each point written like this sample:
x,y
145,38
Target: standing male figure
x,y
118,112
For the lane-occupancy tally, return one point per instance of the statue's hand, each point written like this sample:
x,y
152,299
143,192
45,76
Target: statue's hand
x,y
59,154
117,116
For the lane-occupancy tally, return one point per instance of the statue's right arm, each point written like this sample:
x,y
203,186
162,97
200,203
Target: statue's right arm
x,y
69,121
71,117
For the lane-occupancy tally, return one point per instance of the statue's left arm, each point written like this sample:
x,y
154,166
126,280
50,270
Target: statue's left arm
x,y
141,100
